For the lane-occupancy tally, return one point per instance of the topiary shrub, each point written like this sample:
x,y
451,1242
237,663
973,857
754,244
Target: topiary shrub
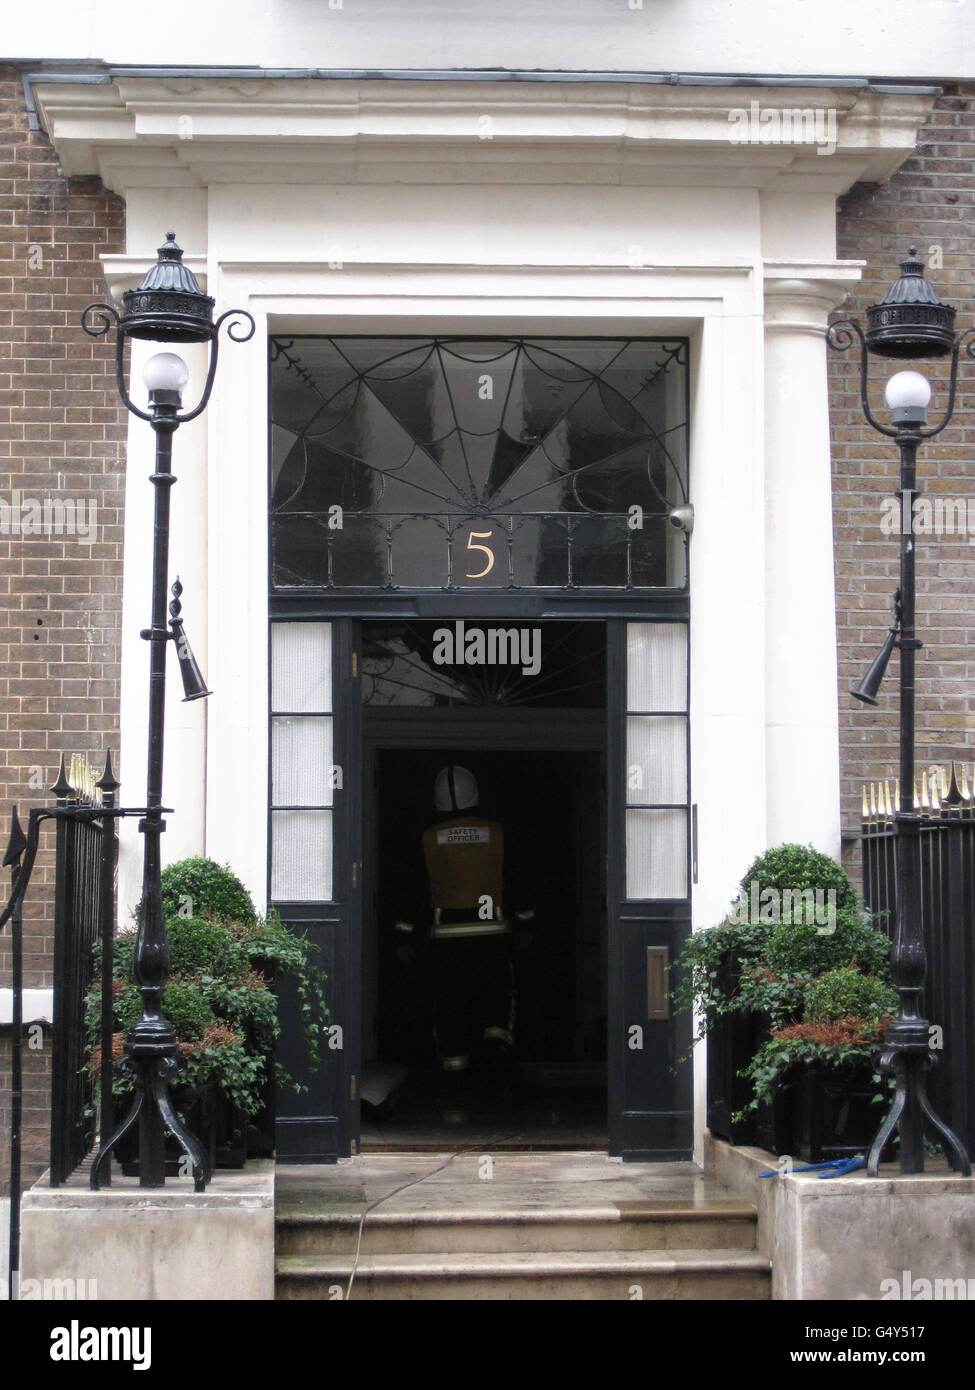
x,y
799,867
846,993
772,959
199,887
199,946
800,948
796,929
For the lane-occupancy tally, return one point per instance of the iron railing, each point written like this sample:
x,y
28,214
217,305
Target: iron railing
x,y
84,913
945,802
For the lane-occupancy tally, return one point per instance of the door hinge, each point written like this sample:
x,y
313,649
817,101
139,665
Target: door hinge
x,y
352,1087
355,665
355,875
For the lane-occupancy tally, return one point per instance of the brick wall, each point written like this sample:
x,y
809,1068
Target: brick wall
x,y
928,203
62,432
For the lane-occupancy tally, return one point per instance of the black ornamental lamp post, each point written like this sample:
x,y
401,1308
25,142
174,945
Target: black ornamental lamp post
x,y
910,322
167,307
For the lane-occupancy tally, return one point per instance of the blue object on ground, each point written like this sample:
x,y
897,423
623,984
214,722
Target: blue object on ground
x,y
833,1168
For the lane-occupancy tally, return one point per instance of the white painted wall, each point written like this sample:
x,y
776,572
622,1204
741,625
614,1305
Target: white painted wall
x,y
906,38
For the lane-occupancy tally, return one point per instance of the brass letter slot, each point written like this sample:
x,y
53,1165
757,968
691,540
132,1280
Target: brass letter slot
x,y
658,961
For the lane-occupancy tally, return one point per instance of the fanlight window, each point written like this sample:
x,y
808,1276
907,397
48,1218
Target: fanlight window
x,y
419,464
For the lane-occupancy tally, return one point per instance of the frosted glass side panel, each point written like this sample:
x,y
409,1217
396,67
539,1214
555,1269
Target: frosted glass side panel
x,y
656,854
656,666
301,667
656,759
301,856
301,761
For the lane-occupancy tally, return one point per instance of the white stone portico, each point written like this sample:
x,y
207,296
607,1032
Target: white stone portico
x,y
575,208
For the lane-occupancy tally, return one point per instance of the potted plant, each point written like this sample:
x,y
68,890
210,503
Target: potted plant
x,y
795,919
220,1001
830,1060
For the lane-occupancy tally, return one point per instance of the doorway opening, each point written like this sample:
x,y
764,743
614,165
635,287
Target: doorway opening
x,y
536,756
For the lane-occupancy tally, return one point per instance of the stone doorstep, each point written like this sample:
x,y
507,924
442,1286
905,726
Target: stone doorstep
x,y
495,1265
621,1226
679,1274
546,1227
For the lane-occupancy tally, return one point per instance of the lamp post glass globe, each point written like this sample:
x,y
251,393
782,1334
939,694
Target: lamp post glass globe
x,y
166,371
908,391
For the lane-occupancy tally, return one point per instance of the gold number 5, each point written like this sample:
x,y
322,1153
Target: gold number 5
x,y
483,535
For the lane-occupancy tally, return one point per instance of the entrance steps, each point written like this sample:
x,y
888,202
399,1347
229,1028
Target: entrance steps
x,y
540,1226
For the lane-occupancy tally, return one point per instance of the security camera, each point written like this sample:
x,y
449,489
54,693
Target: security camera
x,y
682,518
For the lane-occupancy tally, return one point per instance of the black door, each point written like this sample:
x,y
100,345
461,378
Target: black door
x,y
649,875
315,877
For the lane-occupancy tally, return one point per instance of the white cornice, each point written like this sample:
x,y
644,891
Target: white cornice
x,y
182,132
124,272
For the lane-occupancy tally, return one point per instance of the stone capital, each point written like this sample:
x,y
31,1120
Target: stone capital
x,y
800,295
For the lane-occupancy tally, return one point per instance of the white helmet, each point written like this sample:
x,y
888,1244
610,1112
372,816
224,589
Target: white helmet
x,y
454,789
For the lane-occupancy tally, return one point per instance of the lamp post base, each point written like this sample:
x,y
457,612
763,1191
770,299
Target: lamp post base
x,y
911,1106
152,1107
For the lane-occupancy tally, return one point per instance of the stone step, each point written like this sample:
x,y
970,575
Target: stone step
x,y
530,1275
624,1226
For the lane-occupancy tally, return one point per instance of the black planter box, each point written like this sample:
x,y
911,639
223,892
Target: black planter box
x,y
833,1114
731,1043
230,1134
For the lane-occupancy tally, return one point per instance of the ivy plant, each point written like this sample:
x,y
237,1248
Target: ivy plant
x,y
219,998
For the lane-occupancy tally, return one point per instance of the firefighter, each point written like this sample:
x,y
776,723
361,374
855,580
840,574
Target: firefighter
x,y
470,937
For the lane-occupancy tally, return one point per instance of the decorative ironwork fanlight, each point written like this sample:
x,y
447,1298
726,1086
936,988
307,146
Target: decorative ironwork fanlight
x,y
445,464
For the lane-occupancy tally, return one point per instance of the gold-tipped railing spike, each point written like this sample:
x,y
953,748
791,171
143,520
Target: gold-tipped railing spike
x,y
935,793
888,808
81,779
917,804
74,777
963,785
873,801
865,813
925,803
